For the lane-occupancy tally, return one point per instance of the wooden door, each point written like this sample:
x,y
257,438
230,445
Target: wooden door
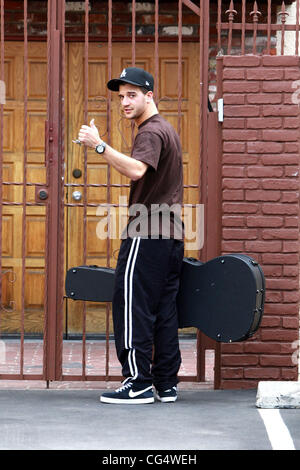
x,y
13,172
81,224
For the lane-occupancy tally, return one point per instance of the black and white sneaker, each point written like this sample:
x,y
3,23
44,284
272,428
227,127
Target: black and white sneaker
x,y
129,393
165,396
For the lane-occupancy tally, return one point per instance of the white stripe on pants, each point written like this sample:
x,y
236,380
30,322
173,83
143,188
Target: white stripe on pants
x,y
128,289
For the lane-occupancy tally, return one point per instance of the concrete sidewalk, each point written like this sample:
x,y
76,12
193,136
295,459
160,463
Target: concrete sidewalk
x,y
68,419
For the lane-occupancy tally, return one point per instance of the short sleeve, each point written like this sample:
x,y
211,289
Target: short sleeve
x,y
147,148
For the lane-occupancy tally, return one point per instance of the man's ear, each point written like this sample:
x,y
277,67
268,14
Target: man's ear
x,y
149,96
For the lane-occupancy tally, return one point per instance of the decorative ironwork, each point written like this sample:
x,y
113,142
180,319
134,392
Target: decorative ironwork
x,y
261,32
255,13
283,14
230,12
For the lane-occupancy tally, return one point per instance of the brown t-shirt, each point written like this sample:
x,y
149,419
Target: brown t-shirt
x,y
155,200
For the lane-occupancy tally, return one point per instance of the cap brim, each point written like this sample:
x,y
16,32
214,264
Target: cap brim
x,y
116,82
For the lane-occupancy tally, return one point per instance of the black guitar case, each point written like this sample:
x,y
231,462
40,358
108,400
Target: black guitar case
x,y
223,298
92,283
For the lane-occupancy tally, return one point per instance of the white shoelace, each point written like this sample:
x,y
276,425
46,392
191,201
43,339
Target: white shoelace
x,y
124,387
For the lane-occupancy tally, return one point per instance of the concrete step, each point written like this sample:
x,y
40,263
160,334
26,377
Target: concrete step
x,y
281,394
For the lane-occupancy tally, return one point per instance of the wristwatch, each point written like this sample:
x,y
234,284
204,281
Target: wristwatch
x,y
101,147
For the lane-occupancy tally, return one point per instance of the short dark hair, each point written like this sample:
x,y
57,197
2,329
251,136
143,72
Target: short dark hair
x,y
144,90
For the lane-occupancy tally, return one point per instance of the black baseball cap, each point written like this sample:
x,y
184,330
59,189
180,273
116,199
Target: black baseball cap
x,y
134,76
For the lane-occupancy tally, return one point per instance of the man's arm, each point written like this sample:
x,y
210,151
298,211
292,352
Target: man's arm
x,y
128,166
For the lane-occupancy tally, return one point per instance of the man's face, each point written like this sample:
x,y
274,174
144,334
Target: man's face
x,y
133,101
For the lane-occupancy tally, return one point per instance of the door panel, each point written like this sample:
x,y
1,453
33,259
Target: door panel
x,y
79,221
13,172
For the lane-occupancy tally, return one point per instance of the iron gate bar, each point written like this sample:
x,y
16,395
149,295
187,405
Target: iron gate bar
x,y
231,12
200,366
133,57
21,203
156,52
100,185
211,242
243,20
54,162
219,21
255,13
15,183
179,69
91,204
85,108
133,52
25,69
268,27
297,27
61,169
260,26
283,20
192,6
1,150
47,159
218,178
109,185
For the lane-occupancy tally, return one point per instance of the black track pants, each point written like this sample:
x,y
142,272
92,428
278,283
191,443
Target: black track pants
x,y
144,310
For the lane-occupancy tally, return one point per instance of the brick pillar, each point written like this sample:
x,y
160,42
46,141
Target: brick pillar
x,y
261,207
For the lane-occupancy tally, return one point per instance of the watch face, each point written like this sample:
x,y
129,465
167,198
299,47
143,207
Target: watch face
x,y
100,148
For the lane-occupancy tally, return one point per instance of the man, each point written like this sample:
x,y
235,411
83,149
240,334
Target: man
x,y
150,257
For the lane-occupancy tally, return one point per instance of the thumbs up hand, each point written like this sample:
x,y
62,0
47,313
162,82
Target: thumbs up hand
x,y
89,135
92,124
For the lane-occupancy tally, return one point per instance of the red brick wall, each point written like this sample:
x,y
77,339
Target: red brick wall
x,y
261,207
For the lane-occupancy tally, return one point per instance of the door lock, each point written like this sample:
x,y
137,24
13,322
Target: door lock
x,y
41,194
76,195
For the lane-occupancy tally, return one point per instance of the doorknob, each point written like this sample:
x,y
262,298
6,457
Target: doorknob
x,y
76,195
77,173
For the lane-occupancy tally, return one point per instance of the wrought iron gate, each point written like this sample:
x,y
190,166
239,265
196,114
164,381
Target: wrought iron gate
x,y
39,206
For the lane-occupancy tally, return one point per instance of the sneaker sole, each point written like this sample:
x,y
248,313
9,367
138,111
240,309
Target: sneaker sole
x,y
167,399
127,401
